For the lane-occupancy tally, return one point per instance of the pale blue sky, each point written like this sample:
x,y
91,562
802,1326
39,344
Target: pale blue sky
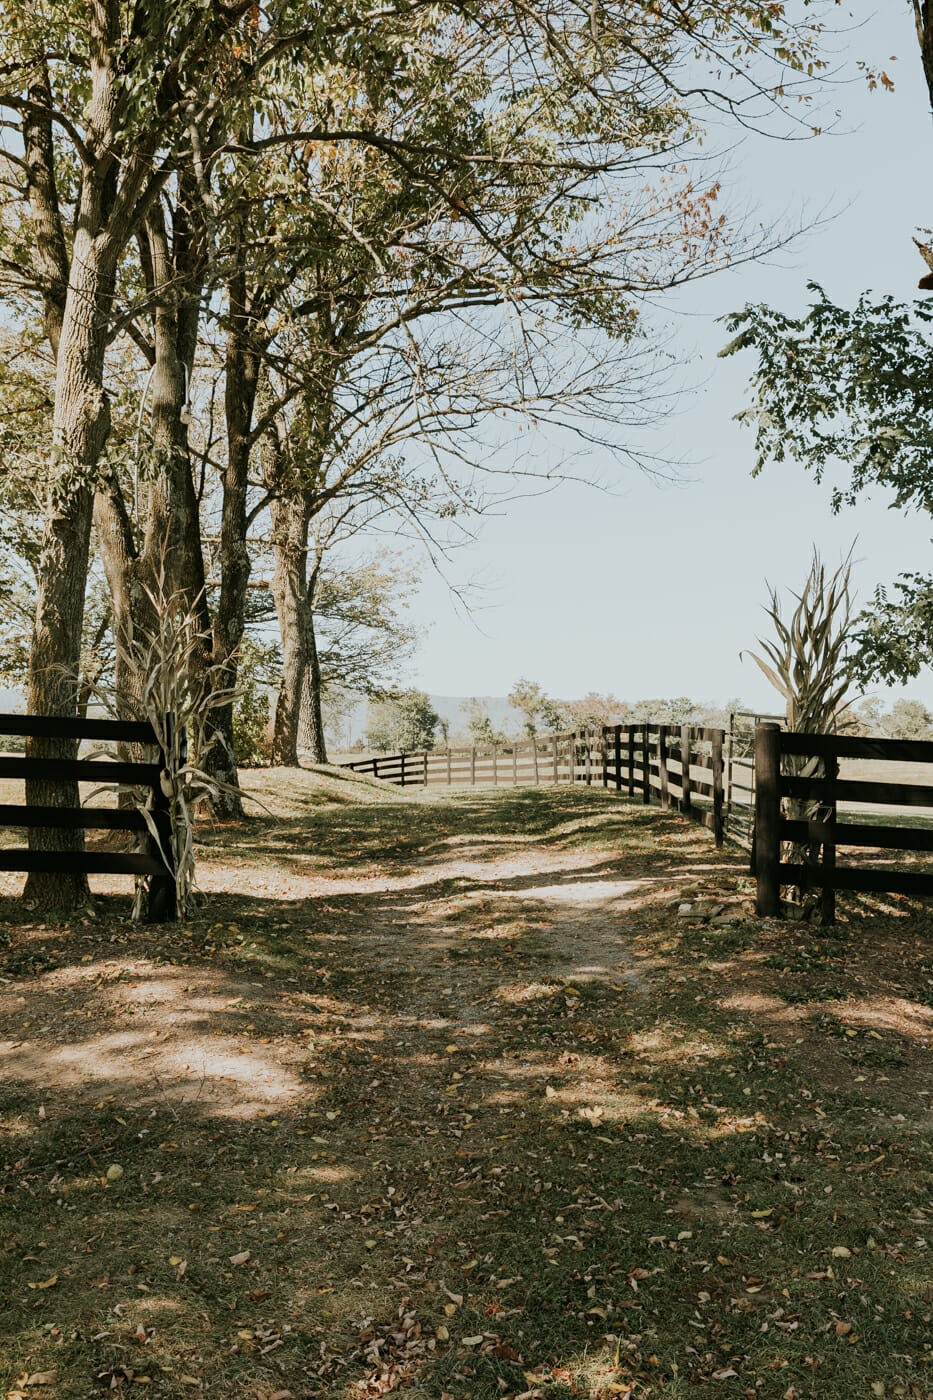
x,y
654,590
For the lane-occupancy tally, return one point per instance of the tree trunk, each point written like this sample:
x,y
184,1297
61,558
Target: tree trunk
x,y
311,728
174,343
242,366
81,425
290,521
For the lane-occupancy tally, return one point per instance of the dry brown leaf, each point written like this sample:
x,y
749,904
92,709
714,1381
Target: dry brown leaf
x,y
240,1258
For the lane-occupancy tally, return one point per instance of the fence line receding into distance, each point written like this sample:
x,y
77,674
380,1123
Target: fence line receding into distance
x,y
682,767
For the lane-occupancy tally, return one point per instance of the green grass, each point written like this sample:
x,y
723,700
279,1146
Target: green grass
x,y
490,1179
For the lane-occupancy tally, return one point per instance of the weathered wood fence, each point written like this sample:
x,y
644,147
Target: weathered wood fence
x,y
680,767
798,791
161,904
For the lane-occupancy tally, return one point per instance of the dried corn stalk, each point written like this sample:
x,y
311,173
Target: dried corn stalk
x,y
810,665
177,693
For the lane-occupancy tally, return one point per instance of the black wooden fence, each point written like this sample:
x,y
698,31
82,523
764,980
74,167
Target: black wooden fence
x,y
680,767
802,770
100,771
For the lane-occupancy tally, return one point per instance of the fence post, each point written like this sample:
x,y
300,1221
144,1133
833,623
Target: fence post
x,y
515,764
554,756
662,765
645,766
717,787
534,757
603,754
162,903
588,756
495,766
573,756
617,754
450,778
768,820
402,784
425,781
728,763
473,765
828,911
686,803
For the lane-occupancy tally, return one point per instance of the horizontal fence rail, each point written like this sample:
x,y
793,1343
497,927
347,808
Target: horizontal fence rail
x,y
678,767
40,819
798,831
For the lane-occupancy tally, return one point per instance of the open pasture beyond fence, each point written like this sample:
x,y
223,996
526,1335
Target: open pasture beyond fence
x,y
680,766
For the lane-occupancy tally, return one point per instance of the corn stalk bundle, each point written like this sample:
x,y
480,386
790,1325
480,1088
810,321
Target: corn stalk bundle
x,y
809,663
176,693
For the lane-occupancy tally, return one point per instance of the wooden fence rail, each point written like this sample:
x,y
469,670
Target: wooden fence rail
x,y
161,903
798,791
680,768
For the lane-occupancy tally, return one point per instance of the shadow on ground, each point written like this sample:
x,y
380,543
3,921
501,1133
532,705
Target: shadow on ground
x,y
442,1095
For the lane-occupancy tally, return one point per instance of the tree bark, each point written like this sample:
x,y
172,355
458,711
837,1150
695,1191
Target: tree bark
x,y
81,425
290,523
242,367
311,731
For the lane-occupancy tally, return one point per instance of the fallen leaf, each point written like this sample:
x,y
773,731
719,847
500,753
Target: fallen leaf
x,y
762,1214
240,1258
839,1251
43,1378
472,1341
843,1329
48,1283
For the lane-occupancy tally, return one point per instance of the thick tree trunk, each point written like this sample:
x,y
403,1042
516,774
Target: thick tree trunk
x,y
81,425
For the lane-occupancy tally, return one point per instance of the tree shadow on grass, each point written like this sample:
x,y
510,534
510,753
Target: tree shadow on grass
x,y
438,1159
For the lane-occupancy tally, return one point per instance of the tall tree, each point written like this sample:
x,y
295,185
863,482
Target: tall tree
x,y
113,95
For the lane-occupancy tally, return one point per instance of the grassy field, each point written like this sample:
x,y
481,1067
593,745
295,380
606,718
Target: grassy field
x,y
450,1093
